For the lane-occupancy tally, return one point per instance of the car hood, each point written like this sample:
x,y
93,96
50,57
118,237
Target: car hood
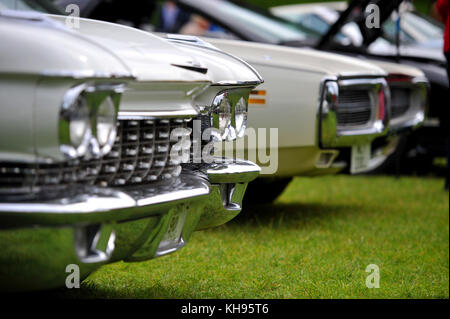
x,y
149,57
310,60
224,68
399,69
63,53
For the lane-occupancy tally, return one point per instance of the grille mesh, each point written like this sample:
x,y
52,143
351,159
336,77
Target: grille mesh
x,y
399,102
141,154
354,107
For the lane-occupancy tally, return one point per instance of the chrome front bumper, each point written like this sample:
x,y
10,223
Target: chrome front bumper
x,y
94,226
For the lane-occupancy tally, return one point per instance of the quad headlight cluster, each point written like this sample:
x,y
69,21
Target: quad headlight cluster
x,y
87,123
229,114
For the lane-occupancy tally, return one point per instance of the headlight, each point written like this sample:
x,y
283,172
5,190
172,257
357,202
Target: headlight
x,y
88,120
75,124
79,122
229,114
221,115
106,125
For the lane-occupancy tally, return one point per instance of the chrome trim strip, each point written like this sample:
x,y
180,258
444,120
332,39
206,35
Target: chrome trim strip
x,y
416,113
237,83
144,115
86,75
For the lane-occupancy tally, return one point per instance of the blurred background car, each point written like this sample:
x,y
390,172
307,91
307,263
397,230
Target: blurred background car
x,y
416,29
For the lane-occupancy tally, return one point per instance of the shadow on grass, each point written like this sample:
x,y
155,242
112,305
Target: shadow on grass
x,y
282,215
276,215
90,291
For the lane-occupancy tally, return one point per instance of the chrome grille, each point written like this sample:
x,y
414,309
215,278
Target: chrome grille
x,y
399,102
140,155
354,108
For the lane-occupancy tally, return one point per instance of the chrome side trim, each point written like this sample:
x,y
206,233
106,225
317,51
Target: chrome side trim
x,y
87,75
418,104
237,83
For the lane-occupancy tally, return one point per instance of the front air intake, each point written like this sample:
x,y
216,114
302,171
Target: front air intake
x,y
141,154
354,107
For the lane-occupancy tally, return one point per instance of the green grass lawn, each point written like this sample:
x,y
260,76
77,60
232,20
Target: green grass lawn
x,y
314,242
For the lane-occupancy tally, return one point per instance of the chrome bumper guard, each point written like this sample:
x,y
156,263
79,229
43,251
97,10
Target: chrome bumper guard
x,y
417,99
94,226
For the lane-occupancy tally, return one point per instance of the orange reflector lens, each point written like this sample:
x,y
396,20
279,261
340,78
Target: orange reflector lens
x,y
256,101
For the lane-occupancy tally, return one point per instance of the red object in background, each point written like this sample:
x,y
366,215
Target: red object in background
x,y
442,8
382,102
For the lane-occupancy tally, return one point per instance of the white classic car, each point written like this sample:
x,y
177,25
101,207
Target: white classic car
x,y
314,138
317,136
96,163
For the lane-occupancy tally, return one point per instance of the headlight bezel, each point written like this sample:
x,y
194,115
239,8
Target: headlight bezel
x,y
331,134
93,95
418,88
236,101
221,113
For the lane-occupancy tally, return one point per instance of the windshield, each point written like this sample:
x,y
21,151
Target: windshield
x,y
317,23
274,29
416,29
29,5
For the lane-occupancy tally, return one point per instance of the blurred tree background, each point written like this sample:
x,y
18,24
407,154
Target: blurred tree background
x,y
421,5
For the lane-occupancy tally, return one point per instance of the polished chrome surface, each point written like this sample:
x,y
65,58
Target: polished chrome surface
x,y
381,154
98,204
87,75
399,101
227,106
140,154
224,170
409,102
91,97
150,115
173,238
353,111
100,225
94,243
